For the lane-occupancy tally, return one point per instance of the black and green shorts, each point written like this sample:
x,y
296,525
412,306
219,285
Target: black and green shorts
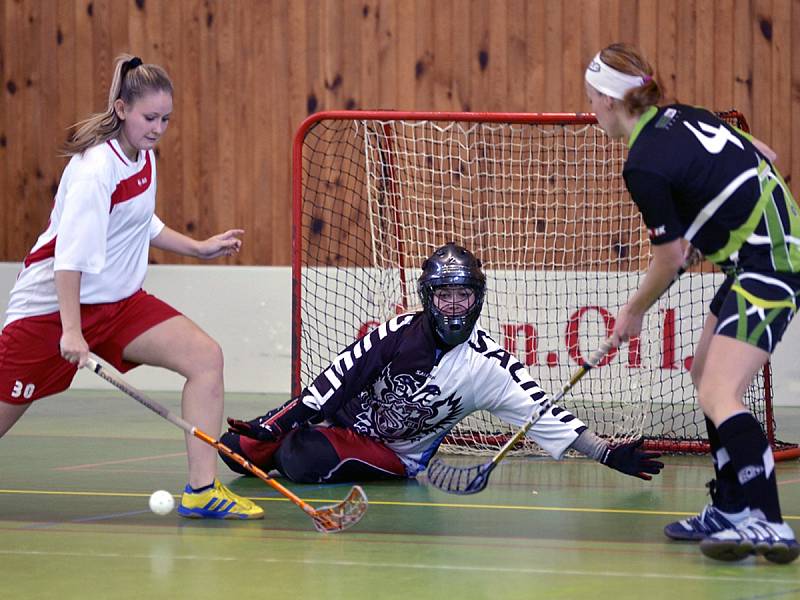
x,y
756,307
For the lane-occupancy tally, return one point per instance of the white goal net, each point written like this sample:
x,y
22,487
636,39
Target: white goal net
x,y
541,201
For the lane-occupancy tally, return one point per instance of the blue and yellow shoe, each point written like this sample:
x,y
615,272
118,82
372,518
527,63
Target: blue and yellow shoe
x,y
217,502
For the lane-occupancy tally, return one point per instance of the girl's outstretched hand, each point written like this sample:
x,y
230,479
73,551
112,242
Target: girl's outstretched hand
x,y
223,244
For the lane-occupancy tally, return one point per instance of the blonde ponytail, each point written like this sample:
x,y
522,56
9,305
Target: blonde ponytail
x,y
131,81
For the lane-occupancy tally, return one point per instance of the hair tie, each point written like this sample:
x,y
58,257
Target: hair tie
x,y
647,79
130,65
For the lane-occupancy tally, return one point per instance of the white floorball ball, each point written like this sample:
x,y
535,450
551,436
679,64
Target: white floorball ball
x,y
162,502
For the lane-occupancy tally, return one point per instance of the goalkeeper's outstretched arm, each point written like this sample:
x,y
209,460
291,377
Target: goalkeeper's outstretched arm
x,y
627,457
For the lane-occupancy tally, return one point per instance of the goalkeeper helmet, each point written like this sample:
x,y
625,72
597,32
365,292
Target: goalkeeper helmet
x,y
451,288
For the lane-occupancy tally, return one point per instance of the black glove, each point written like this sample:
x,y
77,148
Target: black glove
x,y
276,423
628,458
258,429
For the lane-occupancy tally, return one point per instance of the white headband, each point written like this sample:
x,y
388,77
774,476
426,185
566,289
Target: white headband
x,y
610,81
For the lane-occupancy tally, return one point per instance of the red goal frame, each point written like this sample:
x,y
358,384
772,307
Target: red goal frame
x,y
782,450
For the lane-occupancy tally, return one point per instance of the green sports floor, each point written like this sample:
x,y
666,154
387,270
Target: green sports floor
x,y
77,470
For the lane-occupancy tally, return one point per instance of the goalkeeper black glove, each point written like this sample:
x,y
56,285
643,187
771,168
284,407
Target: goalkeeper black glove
x,y
276,423
630,459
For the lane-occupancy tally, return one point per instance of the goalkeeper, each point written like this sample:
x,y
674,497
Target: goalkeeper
x,y
382,408
696,179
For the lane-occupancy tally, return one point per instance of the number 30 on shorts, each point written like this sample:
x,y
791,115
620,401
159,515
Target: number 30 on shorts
x,y
20,389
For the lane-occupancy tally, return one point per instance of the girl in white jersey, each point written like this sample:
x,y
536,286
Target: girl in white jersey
x,y
697,180
80,286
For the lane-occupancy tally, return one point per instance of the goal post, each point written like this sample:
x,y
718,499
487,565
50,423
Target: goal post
x,y
540,199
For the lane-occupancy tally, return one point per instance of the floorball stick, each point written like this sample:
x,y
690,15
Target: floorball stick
x,y
332,518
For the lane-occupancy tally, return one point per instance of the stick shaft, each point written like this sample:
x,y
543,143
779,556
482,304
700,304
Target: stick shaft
x,y
165,413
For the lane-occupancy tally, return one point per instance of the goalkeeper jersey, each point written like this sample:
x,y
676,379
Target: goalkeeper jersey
x,y
101,224
400,386
694,176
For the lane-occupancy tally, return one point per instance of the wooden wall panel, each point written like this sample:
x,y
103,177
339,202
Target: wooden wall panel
x,y
685,52
646,24
248,72
722,76
780,93
700,53
552,100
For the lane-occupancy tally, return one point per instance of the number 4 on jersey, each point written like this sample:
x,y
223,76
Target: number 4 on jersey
x,y
717,138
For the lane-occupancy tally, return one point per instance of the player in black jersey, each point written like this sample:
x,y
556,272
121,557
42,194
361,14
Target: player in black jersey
x,y
696,179
389,399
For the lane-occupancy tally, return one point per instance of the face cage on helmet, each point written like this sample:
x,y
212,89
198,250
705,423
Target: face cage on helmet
x,y
453,329
454,300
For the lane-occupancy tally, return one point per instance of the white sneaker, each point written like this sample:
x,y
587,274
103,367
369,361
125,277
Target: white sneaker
x,y
774,541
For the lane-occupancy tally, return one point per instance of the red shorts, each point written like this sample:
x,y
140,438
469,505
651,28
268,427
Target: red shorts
x,y
31,366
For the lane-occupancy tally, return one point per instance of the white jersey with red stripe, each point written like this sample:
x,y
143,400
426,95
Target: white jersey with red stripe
x,y
101,224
